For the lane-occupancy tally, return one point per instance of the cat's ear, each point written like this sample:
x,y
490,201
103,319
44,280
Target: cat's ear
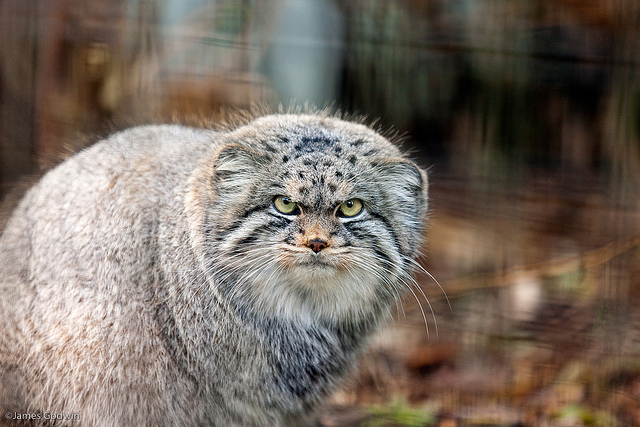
x,y
220,189
235,168
409,183
405,189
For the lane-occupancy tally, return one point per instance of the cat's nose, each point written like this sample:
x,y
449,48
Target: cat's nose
x,y
317,245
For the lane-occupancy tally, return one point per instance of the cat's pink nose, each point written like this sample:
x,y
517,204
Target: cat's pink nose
x,y
317,245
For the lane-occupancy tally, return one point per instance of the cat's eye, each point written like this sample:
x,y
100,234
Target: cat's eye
x,y
285,205
351,207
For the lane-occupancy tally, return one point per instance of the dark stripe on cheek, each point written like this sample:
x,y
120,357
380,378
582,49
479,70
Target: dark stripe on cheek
x,y
269,227
359,233
252,238
247,240
374,241
392,233
254,209
382,255
278,221
236,224
240,221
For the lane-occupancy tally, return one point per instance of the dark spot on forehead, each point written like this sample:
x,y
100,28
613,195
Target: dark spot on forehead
x,y
285,158
337,149
332,188
353,159
283,140
338,174
358,143
301,174
317,143
318,139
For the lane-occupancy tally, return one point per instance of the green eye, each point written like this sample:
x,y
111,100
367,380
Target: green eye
x,y
351,207
285,206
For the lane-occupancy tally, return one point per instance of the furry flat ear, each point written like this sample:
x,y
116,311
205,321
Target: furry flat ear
x,y
405,186
221,187
235,168
410,182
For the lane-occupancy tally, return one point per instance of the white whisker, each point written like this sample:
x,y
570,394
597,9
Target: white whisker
x,y
424,270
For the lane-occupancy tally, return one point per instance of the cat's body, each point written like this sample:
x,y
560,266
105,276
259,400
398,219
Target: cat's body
x,y
156,278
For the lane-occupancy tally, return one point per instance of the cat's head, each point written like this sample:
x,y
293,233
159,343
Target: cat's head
x,y
312,216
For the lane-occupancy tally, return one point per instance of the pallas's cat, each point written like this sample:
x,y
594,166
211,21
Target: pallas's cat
x,y
178,276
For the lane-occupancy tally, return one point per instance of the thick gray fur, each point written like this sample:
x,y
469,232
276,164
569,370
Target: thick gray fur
x,y
149,280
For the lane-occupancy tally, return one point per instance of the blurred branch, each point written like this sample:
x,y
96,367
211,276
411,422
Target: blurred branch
x,y
552,268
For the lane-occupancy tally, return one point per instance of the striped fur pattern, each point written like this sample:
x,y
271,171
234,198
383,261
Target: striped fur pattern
x,y
152,280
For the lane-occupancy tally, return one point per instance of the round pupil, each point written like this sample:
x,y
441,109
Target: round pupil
x,y
349,203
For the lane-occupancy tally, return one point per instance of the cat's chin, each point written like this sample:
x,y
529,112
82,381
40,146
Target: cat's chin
x,y
314,290
334,284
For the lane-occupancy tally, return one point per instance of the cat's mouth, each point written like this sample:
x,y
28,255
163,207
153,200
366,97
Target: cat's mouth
x,y
329,258
315,262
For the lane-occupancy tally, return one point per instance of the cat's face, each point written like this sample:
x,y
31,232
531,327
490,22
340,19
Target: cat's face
x,y
313,217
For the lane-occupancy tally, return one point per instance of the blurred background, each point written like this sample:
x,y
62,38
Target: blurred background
x,y
527,114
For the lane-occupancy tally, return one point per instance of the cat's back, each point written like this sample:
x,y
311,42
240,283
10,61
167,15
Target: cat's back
x,y
151,154
120,182
138,165
78,250
98,206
